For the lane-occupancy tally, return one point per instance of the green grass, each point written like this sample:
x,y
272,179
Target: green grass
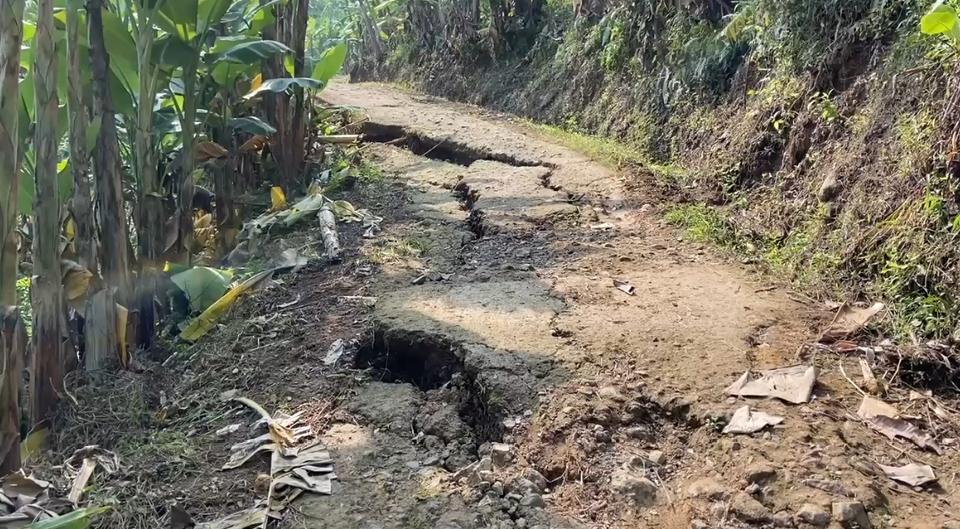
x,y
703,224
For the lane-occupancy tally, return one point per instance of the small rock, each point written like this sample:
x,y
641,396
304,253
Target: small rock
x,y
752,489
760,473
639,490
782,519
851,513
229,394
657,457
699,524
872,498
509,424
828,485
813,515
485,464
708,489
525,267
639,432
748,509
532,500
431,461
612,393
521,523
522,486
536,478
486,475
953,524
501,454
413,465
829,188
497,488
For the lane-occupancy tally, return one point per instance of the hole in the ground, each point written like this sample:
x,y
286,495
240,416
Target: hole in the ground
x,y
430,362
422,360
443,149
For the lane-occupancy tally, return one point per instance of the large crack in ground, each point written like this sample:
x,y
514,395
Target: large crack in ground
x,y
625,386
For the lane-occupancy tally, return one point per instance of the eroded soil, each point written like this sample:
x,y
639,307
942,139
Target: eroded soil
x,y
497,378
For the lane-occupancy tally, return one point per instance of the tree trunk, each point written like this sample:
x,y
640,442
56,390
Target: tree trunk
x,y
298,38
106,164
46,289
11,34
371,36
81,207
12,342
151,218
277,106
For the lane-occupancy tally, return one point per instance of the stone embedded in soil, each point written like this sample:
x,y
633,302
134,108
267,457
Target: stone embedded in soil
x,y
951,525
612,393
783,519
813,515
501,454
532,500
827,485
522,486
760,473
851,513
536,478
708,489
638,490
746,508
871,497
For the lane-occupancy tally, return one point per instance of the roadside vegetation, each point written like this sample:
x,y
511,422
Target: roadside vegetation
x,y
816,139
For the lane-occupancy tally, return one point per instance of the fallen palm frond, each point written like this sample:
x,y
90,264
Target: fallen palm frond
x,y
293,469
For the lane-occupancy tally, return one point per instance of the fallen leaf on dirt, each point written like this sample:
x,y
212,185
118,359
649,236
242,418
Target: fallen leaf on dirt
x,y
869,380
624,286
746,421
913,474
17,484
871,407
202,286
278,200
793,384
202,324
893,428
287,459
78,519
279,432
254,517
334,353
292,260
240,453
849,320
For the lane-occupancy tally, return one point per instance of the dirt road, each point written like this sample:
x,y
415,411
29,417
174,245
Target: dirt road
x,y
545,353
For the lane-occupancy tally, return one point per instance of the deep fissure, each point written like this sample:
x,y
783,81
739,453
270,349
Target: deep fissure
x,y
429,362
444,149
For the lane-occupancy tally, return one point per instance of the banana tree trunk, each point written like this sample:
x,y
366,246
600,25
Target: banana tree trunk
x,y
11,380
81,206
277,106
11,35
13,338
106,165
371,36
151,218
298,41
46,289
